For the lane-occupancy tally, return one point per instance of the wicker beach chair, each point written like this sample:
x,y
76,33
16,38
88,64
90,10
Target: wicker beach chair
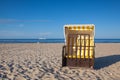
x,y
78,50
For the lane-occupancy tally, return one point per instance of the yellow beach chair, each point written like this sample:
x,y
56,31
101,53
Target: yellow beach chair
x,y
79,46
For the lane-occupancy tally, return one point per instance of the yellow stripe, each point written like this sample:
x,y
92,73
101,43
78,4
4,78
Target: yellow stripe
x,y
74,27
66,27
70,27
88,27
78,27
92,27
83,27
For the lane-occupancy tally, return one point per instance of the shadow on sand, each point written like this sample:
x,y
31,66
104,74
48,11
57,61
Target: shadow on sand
x,y
105,61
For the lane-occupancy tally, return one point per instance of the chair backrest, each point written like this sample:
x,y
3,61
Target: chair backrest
x,y
79,40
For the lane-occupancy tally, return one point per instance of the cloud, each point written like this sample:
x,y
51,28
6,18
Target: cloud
x,y
16,20
6,20
21,34
6,33
44,34
21,25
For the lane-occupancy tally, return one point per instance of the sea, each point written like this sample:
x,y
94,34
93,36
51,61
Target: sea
x,y
53,40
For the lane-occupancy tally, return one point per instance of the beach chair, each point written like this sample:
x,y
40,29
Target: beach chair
x,y
78,50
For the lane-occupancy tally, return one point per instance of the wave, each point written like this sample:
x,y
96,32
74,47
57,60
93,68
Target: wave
x,y
44,40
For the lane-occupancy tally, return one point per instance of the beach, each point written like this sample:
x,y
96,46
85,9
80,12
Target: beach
x,y
43,61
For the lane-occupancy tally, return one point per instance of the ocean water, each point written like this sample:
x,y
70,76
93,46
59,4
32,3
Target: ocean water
x,y
53,40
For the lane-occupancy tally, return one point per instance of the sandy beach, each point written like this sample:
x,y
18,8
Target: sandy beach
x,y
43,61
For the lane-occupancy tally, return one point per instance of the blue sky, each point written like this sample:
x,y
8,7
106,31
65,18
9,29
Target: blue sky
x,y
46,18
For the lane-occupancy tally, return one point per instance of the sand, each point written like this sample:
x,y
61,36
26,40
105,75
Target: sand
x,y
42,61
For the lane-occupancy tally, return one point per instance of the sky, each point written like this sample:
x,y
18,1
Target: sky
x,y
22,19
